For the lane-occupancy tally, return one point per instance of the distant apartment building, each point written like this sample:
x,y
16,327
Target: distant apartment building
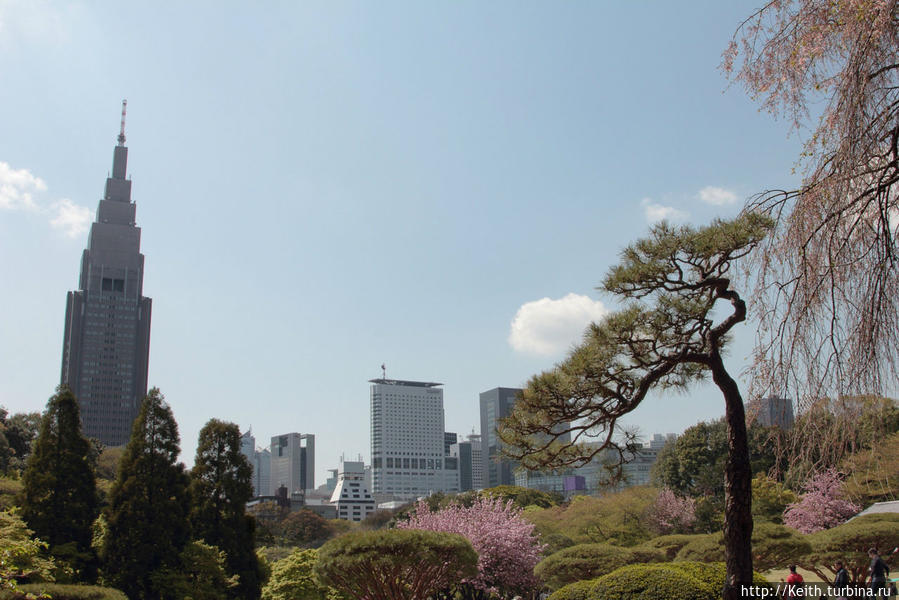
x,y
293,462
352,494
408,440
772,411
470,463
495,405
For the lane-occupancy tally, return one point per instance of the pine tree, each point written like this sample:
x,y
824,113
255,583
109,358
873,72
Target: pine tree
x,y
59,496
220,488
148,513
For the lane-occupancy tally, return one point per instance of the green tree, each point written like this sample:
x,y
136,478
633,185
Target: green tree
x,y
395,564
666,336
220,487
21,557
147,517
304,528
59,494
770,499
523,497
201,574
293,578
873,475
21,430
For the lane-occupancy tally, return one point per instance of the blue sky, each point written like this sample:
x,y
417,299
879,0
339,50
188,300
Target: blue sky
x,y
327,187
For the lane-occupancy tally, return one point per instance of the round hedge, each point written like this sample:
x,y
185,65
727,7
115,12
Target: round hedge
x,y
588,561
671,581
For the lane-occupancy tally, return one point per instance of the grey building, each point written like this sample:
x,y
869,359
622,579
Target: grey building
x,y
772,411
293,462
495,405
448,440
470,463
106,343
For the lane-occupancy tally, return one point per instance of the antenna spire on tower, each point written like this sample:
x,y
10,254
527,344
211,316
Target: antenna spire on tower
x,y
122,130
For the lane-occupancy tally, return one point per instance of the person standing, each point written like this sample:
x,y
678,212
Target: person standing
x,y
841,581
878,572
794,580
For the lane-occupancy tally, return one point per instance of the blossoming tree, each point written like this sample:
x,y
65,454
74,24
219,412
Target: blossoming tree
x,y
507,547
824,504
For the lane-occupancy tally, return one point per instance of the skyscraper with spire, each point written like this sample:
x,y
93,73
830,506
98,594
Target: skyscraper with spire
x,y
106,344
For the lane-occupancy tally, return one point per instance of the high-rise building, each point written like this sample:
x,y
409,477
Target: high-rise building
x,y
293,462
352,494
772,411
471,463
262,473
106,343
448,440
495,405
407,439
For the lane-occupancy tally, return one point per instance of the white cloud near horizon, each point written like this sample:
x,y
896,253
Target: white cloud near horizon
x,y
19,190
656,212
546,326
717,196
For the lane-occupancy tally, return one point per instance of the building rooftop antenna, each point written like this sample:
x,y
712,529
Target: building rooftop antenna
x,y
122,130
383,371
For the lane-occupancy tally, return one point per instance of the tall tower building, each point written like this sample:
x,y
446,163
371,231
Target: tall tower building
x,y
495,405
106,343
407,439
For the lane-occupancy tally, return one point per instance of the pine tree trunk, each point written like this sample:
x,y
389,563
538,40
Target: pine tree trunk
x,y
737,487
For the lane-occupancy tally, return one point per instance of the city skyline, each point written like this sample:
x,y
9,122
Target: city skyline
x,y
324,189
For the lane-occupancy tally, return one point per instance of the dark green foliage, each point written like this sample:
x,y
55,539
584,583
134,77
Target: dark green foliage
x,y
59,495
555,542
772,546
200,575
147,517
21,430
304,528
220,487
588,561
668,581
669,545
693,464
395,564
70,592
770,499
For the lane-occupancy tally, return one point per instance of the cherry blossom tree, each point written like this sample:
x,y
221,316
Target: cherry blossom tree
x,y
507,547
828,276
671,514
824,504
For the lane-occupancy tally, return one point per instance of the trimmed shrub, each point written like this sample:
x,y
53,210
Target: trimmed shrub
x,y
671,581
669,545
587,561
579,590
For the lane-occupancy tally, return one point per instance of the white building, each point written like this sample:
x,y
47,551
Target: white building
x,y
293,462
353,496
407,440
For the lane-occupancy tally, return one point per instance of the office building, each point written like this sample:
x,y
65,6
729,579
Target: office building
x,y
293,462
495,405
448,440
262,471
407,439
352,495
470,463
106,340
772,412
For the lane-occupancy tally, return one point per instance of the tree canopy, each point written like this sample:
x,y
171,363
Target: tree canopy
x,y
59,495
395,564
827,277
665,337
147,516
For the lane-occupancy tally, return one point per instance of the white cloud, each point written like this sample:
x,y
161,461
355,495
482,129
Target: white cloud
x,y
657,212
71,218
20,190
717,196
17,187
548,326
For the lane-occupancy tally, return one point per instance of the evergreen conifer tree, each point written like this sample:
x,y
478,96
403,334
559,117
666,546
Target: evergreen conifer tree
x,y
59,496
220,488
148,507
